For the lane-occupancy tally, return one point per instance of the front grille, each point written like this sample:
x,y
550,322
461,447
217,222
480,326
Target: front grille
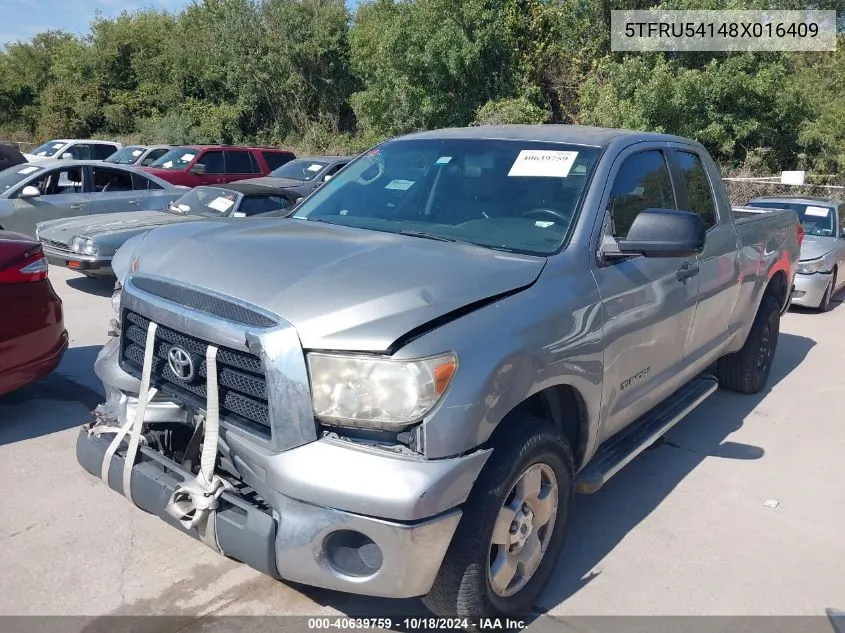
x,y
203,302
242,384
57,246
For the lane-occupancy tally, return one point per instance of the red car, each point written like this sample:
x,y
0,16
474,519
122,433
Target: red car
x,y
32,331
194,165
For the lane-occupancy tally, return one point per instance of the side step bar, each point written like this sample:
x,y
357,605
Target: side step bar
x,y
623,447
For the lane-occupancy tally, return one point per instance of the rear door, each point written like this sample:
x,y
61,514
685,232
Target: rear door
x,y
113,190
101,151
63,195
240,165
718,264
648,303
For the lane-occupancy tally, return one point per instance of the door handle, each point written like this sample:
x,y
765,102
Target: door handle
x,y
78,205
686,271
136,201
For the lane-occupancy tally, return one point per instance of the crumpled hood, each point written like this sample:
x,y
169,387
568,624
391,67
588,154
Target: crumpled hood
x,y
815,246
342,288
64,229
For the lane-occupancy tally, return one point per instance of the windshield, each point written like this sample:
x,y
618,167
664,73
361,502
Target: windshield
x,y
816,220
177,158
210,202
125,156
300,169
518,196
48,149
14,175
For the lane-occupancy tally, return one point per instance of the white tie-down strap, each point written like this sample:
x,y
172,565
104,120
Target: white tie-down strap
x,y
193,502
133,427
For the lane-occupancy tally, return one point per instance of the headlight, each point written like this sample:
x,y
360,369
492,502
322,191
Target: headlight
x,y
90,247
809,267
115,300
368,392
77,245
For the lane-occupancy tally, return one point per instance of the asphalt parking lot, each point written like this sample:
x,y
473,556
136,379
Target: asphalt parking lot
x,y
682,530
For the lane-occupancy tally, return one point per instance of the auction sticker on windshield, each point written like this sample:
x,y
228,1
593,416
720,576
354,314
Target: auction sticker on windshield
x,y
819,212
315,167
543,163
221,204
28,170
401,185
187,158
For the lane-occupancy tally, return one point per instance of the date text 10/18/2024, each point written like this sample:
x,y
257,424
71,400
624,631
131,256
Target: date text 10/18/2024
x,y
416,623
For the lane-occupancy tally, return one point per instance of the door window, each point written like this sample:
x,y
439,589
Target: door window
x,y
238,162
155,155
80,151
699,194
213,161
108,180
643,182
252,205
276,159
60,181
101,151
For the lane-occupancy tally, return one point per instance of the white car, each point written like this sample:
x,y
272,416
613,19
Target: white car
x,y
76,149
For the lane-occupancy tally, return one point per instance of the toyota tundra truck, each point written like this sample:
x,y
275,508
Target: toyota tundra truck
x,y
397,391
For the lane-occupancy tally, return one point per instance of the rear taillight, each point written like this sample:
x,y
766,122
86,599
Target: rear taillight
x,y
31,267
800,234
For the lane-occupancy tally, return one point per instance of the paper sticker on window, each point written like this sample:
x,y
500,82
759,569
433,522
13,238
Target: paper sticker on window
x,y
184,208
27,170
168,164
187,158
137,152
221,204
401,185
543,224
819,212
58,145
543,163
443,160
315,167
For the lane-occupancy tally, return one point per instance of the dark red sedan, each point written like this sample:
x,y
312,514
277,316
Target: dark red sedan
x,y
32,331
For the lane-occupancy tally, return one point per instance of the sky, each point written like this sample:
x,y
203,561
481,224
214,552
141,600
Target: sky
x,y
21,19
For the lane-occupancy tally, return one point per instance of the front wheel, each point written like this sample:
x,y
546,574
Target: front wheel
x,y
513,527
824,306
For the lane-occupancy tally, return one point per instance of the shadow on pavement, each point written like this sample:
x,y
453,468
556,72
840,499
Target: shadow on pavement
x,y
102,287
600,521
51,399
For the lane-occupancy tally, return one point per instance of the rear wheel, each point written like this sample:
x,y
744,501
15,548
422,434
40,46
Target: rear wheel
x,y
513,526
747,370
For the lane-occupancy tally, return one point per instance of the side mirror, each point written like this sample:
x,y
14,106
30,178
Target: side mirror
x,y
146,162
328,177
198,169
67,156
842,232
29,192
298,202
663,233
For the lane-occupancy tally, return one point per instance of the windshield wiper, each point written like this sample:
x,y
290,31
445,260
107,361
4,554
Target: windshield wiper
x,y
429,236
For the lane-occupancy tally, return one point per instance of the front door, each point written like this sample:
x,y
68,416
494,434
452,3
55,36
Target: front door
x,y
62,196
648,303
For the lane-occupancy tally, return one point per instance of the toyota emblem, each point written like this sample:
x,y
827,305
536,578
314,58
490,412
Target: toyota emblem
x,y
180,363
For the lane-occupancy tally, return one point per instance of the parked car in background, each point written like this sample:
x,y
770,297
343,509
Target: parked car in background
x,y
821,270
32,332
88,243
73,149
37,192
304,175
141,155
416,371
194,165
10,156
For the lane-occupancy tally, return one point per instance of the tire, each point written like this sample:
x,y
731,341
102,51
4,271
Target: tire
x,y
463,586
747,370
824,306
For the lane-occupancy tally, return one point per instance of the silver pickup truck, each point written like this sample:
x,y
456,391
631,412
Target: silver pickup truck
x,y
398,391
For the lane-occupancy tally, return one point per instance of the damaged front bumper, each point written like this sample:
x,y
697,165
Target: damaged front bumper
x,y
283,519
